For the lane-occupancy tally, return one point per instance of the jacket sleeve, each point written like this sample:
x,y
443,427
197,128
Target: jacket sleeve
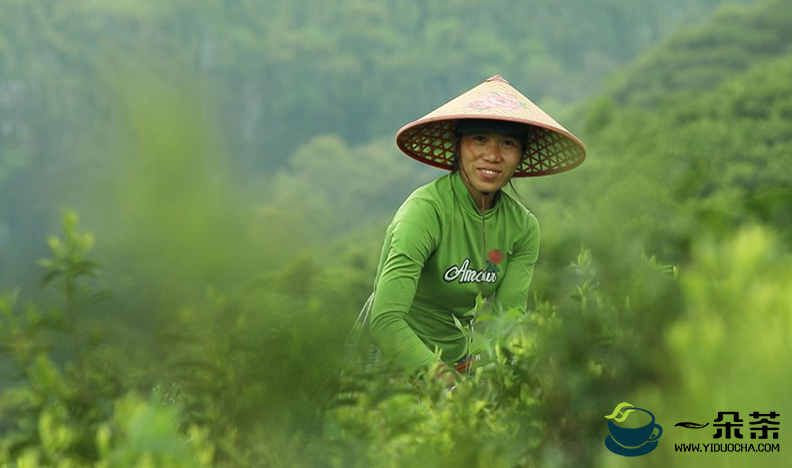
x,y
513,290
410,239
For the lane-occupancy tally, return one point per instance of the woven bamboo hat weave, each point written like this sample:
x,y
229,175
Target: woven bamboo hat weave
x,y
549,147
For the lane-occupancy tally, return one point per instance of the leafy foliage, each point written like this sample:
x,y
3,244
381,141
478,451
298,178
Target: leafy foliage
x,y
76,414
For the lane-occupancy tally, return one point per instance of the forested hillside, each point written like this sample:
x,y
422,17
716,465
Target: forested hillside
x,y
357,68
94,93
237,195
676,141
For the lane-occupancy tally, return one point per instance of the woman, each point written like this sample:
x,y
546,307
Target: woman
x,y
461,235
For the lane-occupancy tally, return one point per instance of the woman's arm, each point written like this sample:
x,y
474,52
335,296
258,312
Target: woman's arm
x,y
513,290
410,239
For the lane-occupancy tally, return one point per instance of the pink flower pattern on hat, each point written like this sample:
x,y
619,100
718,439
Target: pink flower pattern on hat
x,y
496,100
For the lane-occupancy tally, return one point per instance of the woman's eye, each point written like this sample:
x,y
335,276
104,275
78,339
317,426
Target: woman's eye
x,y
478,137
510,143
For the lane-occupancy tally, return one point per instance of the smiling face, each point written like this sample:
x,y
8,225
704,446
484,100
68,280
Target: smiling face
x,y
487,160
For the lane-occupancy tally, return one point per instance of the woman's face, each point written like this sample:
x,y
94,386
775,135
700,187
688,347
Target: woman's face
x,y
487,160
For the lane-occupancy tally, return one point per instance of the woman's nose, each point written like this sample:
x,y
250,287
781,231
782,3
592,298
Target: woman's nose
x,y
491,153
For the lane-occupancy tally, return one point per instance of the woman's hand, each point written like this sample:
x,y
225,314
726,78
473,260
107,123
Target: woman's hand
x,y
446,375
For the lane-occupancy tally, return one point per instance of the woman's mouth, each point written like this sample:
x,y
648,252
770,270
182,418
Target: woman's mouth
x,y
488,173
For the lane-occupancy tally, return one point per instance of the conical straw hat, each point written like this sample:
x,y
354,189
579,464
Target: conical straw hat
x,y
549,148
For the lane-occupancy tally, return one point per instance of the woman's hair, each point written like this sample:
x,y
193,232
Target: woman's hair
x,y
455,161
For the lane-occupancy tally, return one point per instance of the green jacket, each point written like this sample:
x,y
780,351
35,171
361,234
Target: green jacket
x,y
437,255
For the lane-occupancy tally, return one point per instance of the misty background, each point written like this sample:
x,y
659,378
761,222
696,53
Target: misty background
x,y
220,174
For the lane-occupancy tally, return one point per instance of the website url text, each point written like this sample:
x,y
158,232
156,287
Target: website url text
x,y
727,447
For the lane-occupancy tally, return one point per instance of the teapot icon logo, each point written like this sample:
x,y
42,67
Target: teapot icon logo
x,y
634,435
